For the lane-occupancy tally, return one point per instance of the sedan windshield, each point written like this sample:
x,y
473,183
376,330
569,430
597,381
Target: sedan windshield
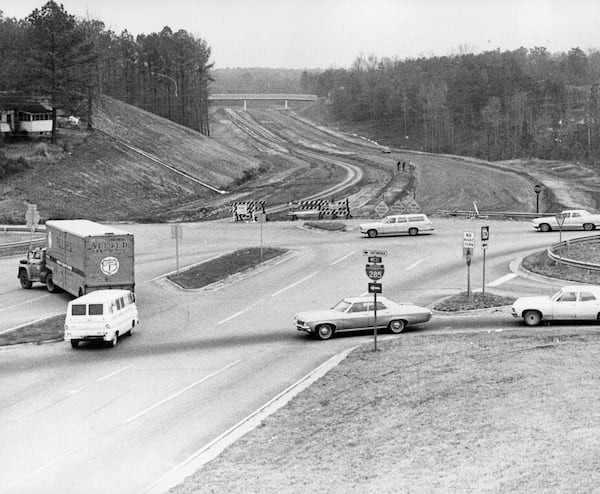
x,y
341,306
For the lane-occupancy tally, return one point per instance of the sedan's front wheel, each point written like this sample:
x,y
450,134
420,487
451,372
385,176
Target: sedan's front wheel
x,y
372,233
324,331
545,227
532,317
397,326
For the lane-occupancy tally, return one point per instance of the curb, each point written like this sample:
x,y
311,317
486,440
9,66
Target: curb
x,y
214,448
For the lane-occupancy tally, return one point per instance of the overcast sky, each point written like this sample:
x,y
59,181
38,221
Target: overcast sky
x,y
333,33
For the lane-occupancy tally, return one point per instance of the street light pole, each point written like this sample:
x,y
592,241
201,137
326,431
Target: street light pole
x,y
537,189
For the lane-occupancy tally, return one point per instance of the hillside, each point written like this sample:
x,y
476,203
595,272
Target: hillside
x,y
91,175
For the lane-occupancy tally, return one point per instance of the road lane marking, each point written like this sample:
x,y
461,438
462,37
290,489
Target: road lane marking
x,y
414,264
240,312
179,393
343,258
26,302
503,279
294,284
40,469
108,376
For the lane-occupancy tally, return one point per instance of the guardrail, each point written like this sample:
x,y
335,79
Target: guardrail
x,y
491,214
572,262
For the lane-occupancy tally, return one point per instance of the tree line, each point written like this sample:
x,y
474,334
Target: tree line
x,y
71,61
494,105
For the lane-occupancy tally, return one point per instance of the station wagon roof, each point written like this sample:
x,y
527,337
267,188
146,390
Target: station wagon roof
x,y
99,296
85,228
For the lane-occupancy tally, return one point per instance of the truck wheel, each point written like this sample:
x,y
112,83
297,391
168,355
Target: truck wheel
x,y
74,343
25,283
50,284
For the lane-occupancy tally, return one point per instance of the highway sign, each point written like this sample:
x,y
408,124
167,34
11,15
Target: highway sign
x,y
382,208
375,288
374,259
376,253
375,271
485,233
560,219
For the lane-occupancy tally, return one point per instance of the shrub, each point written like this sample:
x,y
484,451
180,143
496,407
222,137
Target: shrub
x,y
10,166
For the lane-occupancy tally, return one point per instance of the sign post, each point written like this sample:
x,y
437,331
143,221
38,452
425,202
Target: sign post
x,y
32,218
560,219
375,271
485,235
176,233
260,218
468,246
537,189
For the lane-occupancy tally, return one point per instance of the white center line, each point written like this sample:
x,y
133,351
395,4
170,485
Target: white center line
x,y
414,264
294,284
240,312
342,258
100,379
23,303
179,393
503,279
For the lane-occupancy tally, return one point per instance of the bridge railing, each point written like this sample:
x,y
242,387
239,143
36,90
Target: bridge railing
x,y
553,249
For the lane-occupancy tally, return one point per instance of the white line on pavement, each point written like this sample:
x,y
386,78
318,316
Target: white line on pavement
x,y
414,264
342,258
100,379
294,284
26,302
503,279
240,312
179,393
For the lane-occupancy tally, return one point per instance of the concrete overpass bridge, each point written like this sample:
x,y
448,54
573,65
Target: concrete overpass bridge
x,y
227,97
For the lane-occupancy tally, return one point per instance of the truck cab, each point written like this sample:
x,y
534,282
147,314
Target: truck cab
x,y
33,268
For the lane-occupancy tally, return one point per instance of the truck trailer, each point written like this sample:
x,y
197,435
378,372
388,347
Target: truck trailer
x,y
81,256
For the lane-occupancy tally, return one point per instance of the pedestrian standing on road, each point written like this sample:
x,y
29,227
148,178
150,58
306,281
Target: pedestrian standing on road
x,y
398,166
403,165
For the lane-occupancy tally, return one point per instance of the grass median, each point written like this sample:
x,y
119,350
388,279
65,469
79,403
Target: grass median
x,y
483,412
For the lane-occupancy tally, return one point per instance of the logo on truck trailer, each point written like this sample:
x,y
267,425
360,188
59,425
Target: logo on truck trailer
x,y
109,266
109,245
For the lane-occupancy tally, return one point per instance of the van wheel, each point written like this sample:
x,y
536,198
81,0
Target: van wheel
x,y
50,283
130,332
25,283
115,339
74,343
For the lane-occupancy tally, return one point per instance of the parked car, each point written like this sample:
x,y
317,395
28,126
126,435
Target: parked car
x,y
397,224
574,219
357,313
578,302
103,315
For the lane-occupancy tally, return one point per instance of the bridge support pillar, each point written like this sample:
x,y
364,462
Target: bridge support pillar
x,y
245,106
286,106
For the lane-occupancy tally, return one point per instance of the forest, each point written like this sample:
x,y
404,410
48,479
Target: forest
x,y
493,105
70,61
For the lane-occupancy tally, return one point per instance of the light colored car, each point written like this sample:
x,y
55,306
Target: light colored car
x,y
357,313
397,224
576,302
102,315
574,219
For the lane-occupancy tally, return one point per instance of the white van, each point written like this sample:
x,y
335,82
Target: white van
x,y
101,315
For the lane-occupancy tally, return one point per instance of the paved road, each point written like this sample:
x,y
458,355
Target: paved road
x,y
97,420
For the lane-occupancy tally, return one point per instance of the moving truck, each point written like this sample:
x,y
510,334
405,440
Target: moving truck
x,y
81,256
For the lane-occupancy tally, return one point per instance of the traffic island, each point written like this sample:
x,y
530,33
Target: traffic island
x,y
478,300
222,267
43,331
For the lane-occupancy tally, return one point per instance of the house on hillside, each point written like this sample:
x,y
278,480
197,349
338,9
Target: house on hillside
x,y
20,115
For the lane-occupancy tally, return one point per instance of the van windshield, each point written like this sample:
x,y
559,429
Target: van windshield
x,y
95,309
